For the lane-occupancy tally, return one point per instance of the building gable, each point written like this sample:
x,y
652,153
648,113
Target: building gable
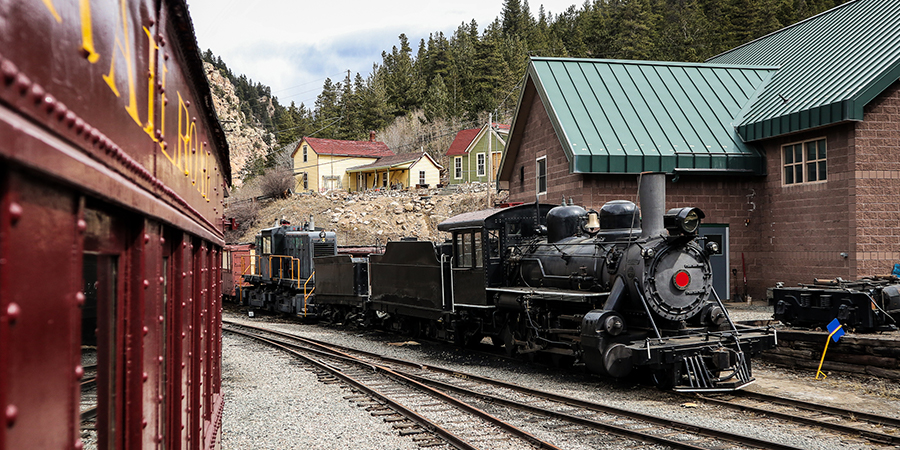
x,y
832,66
615,116
465,148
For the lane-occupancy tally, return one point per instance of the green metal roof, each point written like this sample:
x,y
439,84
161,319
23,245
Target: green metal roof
x,y
832,65
616,116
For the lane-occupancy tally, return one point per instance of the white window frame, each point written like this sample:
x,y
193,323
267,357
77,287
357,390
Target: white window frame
x,y
480,164
422,177
537,169
305,155
457,168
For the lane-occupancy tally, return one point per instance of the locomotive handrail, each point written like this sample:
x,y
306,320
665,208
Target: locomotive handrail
x,y
307,295
293,275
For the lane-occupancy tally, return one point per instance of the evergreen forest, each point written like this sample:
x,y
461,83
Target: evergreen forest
x,y
459,79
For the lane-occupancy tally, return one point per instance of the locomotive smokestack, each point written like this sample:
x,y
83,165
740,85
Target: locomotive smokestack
x,y
652,192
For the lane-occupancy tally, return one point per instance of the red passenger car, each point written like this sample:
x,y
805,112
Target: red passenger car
x,y
237,260
113,170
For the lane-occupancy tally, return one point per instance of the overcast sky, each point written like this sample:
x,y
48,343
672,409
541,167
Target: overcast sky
x,y
292,46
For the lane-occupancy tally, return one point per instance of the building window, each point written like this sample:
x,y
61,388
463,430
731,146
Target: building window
x,y
541,175
480,164
304,153
384,179
804,162
522,175
422,177
331,182
305,181
457,167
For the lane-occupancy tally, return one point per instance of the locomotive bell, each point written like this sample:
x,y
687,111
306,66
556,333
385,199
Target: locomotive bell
x,y
593,222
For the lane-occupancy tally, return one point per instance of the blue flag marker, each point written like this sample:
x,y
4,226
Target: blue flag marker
x,y
835,325
836,331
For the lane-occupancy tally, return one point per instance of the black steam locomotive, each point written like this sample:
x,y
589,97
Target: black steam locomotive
x,y
865,305
603,289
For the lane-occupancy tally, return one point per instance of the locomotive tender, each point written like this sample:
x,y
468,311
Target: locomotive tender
x,y
603,289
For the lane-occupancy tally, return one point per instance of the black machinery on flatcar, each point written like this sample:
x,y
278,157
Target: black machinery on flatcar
x,y
864,305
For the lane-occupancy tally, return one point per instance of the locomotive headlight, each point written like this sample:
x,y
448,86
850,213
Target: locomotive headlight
x,y
648,252
322,234
683,220
712,248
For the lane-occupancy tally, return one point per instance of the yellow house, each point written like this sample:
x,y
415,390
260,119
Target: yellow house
x,y
396,171
321,164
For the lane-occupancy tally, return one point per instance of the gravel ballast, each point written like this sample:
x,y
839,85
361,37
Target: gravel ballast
x,y
273,402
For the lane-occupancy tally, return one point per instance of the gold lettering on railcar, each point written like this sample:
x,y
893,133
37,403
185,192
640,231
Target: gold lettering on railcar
x,y
149,127
188,155
49,5
186,140
123,44
87,32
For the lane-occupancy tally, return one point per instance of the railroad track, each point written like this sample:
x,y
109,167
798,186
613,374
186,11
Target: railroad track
x,y
562,418
875,428
89,397
433,418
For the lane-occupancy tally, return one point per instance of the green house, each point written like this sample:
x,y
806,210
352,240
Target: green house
x,y
468,160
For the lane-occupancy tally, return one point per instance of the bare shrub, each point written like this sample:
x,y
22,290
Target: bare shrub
x,y
245,213
276,182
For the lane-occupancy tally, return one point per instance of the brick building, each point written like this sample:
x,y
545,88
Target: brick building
x,y
788,143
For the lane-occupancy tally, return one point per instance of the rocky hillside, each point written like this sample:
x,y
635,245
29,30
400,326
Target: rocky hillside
x,y
244,139
370,218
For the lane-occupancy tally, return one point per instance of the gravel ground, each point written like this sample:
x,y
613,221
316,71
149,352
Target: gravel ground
x,y
272,402
262,386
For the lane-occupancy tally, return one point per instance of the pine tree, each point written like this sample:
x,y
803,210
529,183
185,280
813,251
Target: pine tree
x,y
437,100
514,21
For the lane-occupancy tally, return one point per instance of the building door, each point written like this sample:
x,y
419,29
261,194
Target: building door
x,y
721,268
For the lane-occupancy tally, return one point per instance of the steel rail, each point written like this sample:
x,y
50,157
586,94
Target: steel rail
x,y
621,431
89,414
815,407
333,348
409,414
570,401
867,434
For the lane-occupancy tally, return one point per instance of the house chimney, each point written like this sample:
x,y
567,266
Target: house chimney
x,y
372,136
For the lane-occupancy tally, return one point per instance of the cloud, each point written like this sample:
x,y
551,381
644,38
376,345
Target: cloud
x,y
293,46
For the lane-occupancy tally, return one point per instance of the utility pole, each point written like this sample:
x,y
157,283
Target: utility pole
x,y
490,157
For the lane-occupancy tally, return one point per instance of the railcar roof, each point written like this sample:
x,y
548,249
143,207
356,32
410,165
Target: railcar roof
x,y
477,219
